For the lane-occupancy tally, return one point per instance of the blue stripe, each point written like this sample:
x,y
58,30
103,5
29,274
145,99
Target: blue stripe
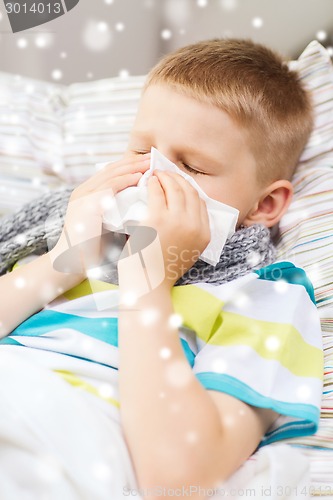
x,y
190,356
294,430
103,329
9,341
309,414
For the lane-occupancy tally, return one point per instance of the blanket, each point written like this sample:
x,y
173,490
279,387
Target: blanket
x,y
54,443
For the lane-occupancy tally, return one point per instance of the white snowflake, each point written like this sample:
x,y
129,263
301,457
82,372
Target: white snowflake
x,y
191,437
44,40
97,36
321,35
165,352
22,43
177,13
178,373
56,74
281,286
106,391
229,4
166,34
303,392
20,282
102,471
273,343
257,22
149,316
124,73
120,27
175,320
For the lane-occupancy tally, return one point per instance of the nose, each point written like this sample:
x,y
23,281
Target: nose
x,y
167,152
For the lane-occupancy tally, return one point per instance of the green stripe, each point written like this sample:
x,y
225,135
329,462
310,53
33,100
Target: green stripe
x,y
279,341
199,309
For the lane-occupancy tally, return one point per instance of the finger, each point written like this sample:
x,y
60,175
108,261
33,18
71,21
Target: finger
x,y
192,198
156,197
194,203
173,192
123,181
105,177
123,166
126,162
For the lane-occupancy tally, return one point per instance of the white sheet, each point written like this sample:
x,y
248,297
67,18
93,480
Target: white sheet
x,y
274,472
53,443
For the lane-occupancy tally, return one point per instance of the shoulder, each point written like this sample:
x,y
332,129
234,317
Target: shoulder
x,y
287,272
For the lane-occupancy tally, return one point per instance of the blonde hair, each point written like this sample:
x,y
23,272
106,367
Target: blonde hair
x,y
255,87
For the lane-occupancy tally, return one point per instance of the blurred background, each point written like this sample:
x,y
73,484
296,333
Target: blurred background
x,y
105,38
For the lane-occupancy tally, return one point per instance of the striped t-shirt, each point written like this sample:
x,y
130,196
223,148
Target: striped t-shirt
x,y
256,338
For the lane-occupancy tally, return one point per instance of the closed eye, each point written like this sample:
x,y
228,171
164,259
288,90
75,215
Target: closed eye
x,y
141,152
192,170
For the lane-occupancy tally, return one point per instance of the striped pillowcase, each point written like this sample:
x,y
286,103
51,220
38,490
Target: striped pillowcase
x,y
52,135
30,139
306,228
96,123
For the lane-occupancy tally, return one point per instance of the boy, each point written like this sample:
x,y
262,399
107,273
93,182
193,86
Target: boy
x,y
231,114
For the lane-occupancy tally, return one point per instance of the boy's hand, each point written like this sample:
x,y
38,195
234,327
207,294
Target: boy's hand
x,y
180,218
82,229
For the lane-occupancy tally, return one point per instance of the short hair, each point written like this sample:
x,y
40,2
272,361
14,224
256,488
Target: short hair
x,y
255,86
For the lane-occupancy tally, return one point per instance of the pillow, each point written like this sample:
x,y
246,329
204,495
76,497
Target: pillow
x,y
306,236
305,228
96,123
52,135
30,140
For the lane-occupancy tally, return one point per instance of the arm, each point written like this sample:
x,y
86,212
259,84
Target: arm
x,y
26,290
29,288
179,434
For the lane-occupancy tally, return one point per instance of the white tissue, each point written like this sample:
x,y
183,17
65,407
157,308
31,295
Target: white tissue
x,y
130,207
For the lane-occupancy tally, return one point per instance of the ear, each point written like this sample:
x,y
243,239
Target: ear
x,y
272,204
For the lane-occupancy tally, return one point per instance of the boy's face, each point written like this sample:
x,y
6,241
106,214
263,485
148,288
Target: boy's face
x,y
202,141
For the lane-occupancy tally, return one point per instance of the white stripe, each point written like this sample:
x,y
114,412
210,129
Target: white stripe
x,y
268,377
89,306
72,342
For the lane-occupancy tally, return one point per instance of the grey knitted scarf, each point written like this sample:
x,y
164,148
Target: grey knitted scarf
x,y
25,232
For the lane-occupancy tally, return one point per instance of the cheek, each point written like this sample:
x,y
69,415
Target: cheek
x,y
214,188
223,191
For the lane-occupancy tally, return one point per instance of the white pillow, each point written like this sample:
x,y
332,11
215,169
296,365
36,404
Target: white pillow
x,y
52,135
